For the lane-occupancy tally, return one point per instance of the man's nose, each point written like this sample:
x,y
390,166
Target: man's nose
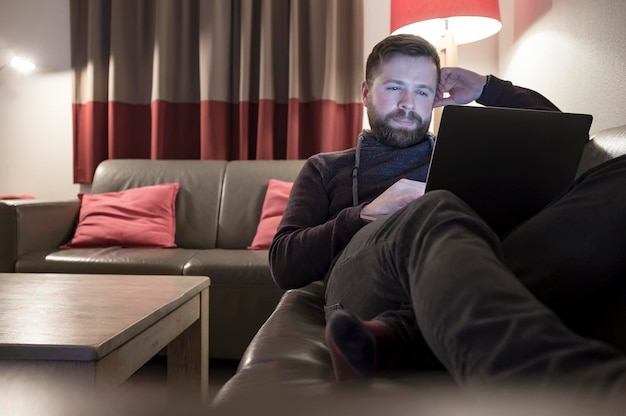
x,y
407,101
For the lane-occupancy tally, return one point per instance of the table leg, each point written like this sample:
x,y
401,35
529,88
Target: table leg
x,y
188,357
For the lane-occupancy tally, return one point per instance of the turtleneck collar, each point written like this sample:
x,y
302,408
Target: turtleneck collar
x,y
367,138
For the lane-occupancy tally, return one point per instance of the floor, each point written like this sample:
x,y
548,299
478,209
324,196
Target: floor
x,y
145,393
153,375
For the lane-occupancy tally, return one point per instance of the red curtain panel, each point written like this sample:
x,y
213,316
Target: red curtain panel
x,y
214,79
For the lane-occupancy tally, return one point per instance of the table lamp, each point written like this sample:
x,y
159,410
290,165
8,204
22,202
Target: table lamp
x,y
446,24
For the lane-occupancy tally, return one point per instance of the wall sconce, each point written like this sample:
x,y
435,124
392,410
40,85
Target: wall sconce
x,y
22,65
446,24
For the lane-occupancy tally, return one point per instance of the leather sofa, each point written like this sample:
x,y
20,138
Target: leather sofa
x,y
218,207
289,351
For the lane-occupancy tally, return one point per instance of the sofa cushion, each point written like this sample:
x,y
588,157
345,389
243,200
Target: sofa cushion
x,y
198,200
137,217
245,185
237,267
272,212
109,260
242,286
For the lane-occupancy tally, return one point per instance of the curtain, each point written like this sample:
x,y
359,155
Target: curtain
x,y
214,79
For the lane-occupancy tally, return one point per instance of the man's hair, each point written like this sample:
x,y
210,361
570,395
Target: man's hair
x,y
409,45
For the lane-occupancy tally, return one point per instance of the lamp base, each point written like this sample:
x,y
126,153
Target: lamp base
x,y
447,48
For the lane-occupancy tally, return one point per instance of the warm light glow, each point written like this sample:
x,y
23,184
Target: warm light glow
x,y
22,65
468,20
466,29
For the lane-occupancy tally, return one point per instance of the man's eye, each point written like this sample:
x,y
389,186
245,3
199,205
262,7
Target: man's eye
x,y
423,93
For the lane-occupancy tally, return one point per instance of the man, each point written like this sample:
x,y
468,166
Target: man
x,y
433,277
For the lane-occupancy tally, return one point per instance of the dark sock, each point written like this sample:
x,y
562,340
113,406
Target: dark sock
x,y
355,345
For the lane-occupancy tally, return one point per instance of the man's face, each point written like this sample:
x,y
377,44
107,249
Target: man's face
x,y
400,100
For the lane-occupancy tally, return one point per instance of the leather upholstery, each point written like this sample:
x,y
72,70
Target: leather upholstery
x,y
7,249
603,145
218,207
244,189
197,202
290,350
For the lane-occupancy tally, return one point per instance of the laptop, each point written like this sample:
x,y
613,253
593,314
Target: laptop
x,y
507,164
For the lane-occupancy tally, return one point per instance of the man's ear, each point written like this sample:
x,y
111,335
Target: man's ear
x,y
365,90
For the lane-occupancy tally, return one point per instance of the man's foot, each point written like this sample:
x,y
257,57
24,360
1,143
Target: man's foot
x,y
353,344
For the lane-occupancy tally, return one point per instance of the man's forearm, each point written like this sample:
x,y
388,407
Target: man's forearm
x,y
500,93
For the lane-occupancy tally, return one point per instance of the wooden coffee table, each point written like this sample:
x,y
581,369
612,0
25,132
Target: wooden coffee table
x,y
100,329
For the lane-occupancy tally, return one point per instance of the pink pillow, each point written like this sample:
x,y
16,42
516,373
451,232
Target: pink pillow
x,y
272,212
137,217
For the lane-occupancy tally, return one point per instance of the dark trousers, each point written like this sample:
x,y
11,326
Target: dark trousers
x,y
542,304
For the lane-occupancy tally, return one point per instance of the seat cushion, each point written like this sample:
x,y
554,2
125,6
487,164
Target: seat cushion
x,y
237,267
107,260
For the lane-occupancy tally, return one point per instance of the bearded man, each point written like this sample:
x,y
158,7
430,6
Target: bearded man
x,y
429,284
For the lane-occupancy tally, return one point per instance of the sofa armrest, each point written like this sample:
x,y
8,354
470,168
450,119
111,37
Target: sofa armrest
x,y
604,145
288,358
33,225
7,237
288,350
295,331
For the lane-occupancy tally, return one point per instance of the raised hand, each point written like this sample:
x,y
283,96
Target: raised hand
x,y
461,86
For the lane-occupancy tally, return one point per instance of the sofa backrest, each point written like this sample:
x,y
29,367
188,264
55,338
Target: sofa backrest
x,y
245,184
604,145
218,204
198,199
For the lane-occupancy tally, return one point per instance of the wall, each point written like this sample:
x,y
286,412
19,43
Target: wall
x,y
570,50
35,110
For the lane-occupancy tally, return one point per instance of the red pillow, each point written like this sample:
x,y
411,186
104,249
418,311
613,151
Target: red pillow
x,y
272,212
137,217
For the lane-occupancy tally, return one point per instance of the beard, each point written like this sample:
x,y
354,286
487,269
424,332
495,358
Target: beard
x,y
397,136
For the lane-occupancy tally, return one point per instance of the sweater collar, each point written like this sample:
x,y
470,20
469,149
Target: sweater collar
x,y
367,139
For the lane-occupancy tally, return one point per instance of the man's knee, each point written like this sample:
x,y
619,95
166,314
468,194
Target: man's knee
x,y
437,208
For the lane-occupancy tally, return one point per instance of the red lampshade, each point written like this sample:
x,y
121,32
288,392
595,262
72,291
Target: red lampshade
x,y
470,20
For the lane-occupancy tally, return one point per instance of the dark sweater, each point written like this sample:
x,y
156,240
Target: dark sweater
x,y
320,218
